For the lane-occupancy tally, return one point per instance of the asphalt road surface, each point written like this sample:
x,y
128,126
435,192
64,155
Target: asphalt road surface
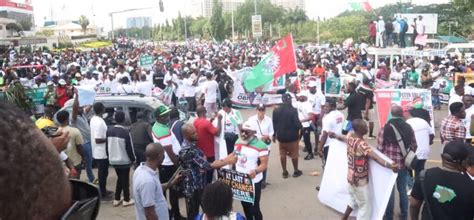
x,y
292,198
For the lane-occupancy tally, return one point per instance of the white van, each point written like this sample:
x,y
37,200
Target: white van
x,y
458,49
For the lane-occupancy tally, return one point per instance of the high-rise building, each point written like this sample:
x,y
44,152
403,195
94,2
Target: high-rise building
x,y
20,12
290,4
204,7
227,6
139,22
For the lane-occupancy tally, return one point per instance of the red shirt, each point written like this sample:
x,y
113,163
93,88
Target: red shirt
x,y
372,30
64,98
206,133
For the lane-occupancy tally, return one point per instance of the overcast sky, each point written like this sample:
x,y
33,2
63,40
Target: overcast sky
x,y
98,10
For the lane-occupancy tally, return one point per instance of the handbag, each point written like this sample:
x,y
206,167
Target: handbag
x,y
410,156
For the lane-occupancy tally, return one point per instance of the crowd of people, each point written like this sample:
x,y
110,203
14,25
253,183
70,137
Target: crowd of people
x,y
181,156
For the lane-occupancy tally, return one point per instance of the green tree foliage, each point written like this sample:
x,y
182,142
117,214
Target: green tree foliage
x,y
466,5
270,13
84,22
217,21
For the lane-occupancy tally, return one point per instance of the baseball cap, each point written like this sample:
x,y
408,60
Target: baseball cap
x,y
162,110
249,126
261,107
457,150
62,82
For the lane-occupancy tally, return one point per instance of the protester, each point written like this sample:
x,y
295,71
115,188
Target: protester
x,y
470,163
217,202
74,150
78,120
192,161
232,120
206,133
452,127
287,127
306,116
176,124
148,191
358,155
98,130
49,198
250,150
445,192
332,123
354,104
140,132
210,89
120,152
162,134
469,109
389,145
265,132
424,135
368,102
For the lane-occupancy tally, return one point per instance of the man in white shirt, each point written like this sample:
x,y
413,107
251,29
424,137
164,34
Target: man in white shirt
x,y
189,87
210,94
380,32
467,100
306,116
457,96
424,135
98,139
144,87
332,122
264,125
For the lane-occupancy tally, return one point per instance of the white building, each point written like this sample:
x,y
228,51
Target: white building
x,y
70,29
290,4
204,7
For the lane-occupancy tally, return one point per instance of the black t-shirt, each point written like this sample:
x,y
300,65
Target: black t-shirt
x,y
450,195
354,105
158,80
366,94
286,124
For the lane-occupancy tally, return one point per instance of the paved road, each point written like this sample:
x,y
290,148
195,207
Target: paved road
x,y
292,198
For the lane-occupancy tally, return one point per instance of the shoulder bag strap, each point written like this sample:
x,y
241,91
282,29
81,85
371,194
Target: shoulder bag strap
x,y
258,123
425,195
400,141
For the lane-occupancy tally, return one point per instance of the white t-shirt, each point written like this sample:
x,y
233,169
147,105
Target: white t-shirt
x,y
333,122
125,89
264,127
189,89
317,100
420,26
210,91
422,134
304,109
467,121
98,131
145,88
247,159
231,121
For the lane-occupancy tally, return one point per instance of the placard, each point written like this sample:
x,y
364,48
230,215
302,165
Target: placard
x,y
241,184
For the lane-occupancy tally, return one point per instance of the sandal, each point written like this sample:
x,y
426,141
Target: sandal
x,y
285,174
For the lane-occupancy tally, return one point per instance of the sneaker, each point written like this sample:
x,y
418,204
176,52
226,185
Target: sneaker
x,y
297,173
371,137
409,192
309,157
117,202
95,181
285,174
109,193
129,203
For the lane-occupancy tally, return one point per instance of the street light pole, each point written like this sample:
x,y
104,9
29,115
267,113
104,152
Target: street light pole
x,y
255,6
318,30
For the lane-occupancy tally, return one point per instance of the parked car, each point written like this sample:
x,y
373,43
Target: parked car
x,y
131,105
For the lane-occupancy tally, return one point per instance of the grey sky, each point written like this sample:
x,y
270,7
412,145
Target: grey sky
x,y
72,9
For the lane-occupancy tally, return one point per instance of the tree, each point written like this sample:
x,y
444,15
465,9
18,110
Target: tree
x,y
26,24
271,14
217,22
84,22
466,5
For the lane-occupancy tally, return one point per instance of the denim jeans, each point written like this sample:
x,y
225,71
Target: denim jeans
x,y
103,172
88,159
402,192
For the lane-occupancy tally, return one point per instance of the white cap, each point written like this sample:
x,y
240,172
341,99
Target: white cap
x,y
249,126
49,83
62,82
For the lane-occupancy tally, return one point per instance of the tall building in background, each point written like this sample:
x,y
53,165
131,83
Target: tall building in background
x,y
290,4
227,6
204,7
20,11
139,22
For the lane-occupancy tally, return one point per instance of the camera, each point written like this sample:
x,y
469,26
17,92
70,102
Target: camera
x,y
50,131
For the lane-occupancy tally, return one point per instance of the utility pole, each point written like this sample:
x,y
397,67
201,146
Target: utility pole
x,y
255,6
185,30
232,15
317,29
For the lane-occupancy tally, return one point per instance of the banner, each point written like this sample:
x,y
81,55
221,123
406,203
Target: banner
x,y
164,95
146,61
241,184
468,76
422,53
406,98
86,95
37,97
446,84
334,190
244,99
333,86
382,84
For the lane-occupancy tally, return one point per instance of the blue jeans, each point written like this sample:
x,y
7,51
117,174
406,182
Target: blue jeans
x,y
88,154
402,192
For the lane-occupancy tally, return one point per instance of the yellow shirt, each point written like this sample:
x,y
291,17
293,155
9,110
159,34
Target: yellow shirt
x,y
75,139
44,122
